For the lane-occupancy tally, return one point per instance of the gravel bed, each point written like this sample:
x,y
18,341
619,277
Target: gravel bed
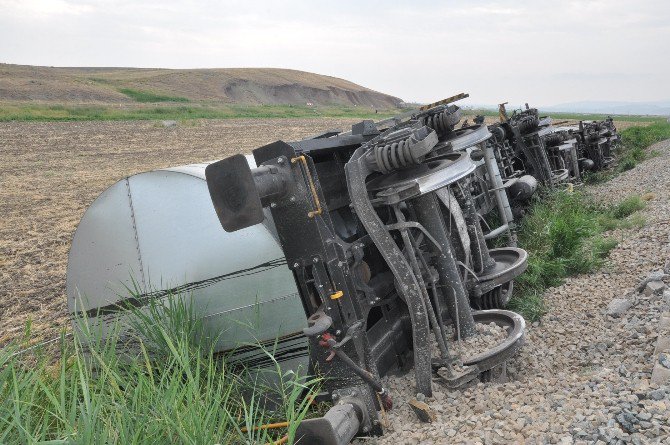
x,y
583,375
488,336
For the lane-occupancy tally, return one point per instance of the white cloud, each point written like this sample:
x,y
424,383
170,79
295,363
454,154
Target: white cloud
x,y
539,51
41,9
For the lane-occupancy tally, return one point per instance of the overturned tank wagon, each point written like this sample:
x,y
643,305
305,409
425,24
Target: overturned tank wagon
x,y
529,146
563,155
528,132
361,253
154,235
597,141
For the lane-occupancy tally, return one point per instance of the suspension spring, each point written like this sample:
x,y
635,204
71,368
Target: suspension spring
x,y
553,139
442,122
528,123
394,156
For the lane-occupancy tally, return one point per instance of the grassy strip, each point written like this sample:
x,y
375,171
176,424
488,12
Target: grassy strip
x,y
632,150
563,234
571,116
168,108
149,97
599,117
45,113
169,389
635,140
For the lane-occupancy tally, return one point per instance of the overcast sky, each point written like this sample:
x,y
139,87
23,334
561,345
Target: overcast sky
x,y
544,52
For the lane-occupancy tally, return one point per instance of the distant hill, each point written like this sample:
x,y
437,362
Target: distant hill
x,y
249,86
660,108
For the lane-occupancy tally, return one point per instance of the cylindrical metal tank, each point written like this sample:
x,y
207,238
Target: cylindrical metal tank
x,y
158,232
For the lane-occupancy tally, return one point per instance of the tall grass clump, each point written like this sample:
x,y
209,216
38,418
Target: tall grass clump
x,y
627,207
161,384
563,235
635,140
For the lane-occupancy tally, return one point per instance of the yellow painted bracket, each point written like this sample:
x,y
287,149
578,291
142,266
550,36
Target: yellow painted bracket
x,y
312,187
446,101
502,112
337,295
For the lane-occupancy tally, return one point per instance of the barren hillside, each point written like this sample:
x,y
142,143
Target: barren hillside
x,y
251,86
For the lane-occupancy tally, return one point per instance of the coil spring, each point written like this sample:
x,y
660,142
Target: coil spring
x,y
553,139
394,156
528,123
442,122
592,136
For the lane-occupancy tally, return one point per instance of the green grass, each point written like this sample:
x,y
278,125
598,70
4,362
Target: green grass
x,y
632,150
168,388
599,117
149,97
44,113
569,116
635,141
598,177
627,207
563,235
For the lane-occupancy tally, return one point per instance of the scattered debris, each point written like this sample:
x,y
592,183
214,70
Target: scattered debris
x,y
422,411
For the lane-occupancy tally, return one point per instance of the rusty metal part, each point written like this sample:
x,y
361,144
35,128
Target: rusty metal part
x,y
423,411
446,101
317,204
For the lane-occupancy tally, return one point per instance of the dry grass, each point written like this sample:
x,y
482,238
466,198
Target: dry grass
x,y
251,86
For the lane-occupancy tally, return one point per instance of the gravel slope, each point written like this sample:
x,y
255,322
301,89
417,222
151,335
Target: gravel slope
x,y
583,376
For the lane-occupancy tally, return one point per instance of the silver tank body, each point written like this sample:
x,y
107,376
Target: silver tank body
x,y
157,231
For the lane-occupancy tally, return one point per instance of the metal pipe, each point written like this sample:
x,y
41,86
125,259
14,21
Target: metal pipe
x,y
430,216
330,343
480,251
504,208
575,162
433,290
437,331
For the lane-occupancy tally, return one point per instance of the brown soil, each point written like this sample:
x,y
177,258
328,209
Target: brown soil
x,y
51,172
